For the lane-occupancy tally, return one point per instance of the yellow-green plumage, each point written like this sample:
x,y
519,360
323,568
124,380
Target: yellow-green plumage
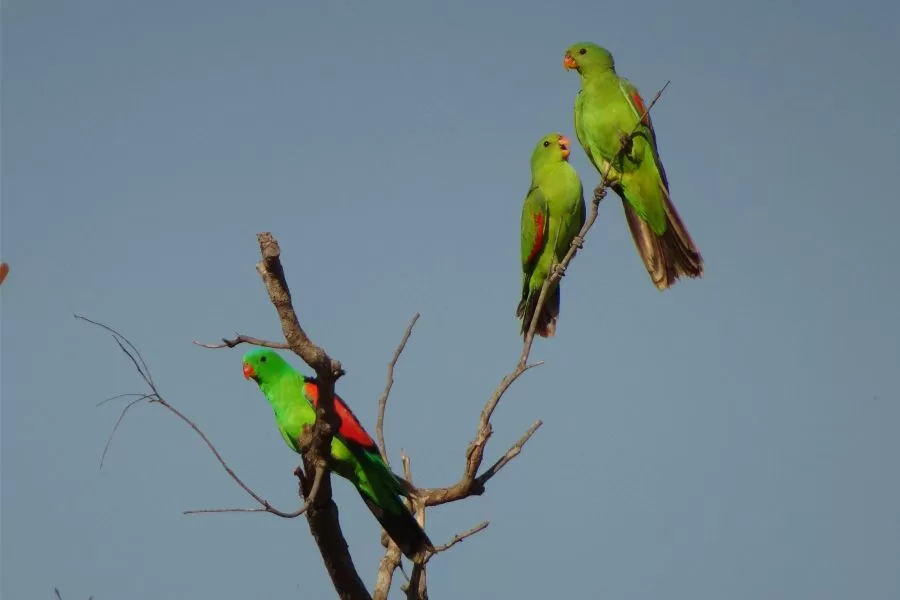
x,y
552,215
609,115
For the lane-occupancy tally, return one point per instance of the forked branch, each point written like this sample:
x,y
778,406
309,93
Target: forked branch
x,y
154,397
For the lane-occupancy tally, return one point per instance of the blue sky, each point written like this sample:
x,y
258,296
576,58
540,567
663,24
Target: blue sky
x,y
733,437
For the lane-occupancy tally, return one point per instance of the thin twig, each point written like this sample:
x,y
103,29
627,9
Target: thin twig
x,y
382,402
119,422
142,368
244,339
459,537
118,396
204,511
513,452
469,484
132,353
317,481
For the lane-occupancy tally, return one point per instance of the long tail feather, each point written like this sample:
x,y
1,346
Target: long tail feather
x,y
403,529
546,325
680,248
666,257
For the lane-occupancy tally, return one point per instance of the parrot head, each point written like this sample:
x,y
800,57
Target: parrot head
x,y
263,365
588,57
553,147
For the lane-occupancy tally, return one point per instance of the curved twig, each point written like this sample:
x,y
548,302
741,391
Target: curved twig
x,y
317,481
119,421
382,401
132,353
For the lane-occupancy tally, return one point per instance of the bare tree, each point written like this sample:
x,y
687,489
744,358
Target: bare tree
x,y
313,474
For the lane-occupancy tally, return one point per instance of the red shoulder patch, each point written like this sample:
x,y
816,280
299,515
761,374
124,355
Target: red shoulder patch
x,y
538,236
350,428
641,108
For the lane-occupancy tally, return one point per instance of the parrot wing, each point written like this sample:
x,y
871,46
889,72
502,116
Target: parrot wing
x,y
639,107
351,430
535,227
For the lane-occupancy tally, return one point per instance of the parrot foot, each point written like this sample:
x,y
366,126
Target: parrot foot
x,y
560,271
625,142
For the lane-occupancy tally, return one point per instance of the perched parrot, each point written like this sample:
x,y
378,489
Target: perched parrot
x,y
354,455
552,216
607,109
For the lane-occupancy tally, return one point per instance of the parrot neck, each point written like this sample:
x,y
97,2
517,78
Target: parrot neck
x,y
546,169
283,391
270,389
589,78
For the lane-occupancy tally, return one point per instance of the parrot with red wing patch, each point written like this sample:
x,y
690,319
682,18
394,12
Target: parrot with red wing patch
x,y
607,110
354,455
552,215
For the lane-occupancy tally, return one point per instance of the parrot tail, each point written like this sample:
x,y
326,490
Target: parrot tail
x,y
546,324
669,256
403,529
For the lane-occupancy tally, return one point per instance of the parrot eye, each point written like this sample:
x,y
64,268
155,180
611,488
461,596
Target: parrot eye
x,y
546,144
582,51
262,359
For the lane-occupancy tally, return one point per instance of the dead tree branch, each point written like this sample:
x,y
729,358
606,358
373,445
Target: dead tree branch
x,y
322,515
470,483
460,537
310,498
154,397
389,563
321,512
382,401
240,338
417,587
319,508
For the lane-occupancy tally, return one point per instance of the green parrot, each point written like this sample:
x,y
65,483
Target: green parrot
x,y
354,455
552,216
607,109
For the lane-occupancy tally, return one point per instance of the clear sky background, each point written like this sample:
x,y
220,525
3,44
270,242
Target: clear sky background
x,y
735,437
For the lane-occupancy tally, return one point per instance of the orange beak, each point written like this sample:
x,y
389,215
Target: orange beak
x,y
564,146
569,62
248,371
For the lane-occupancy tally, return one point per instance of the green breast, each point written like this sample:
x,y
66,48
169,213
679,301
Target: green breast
x,y
605,112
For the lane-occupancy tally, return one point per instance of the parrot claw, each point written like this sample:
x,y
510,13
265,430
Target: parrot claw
x,y
560,270
625,144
